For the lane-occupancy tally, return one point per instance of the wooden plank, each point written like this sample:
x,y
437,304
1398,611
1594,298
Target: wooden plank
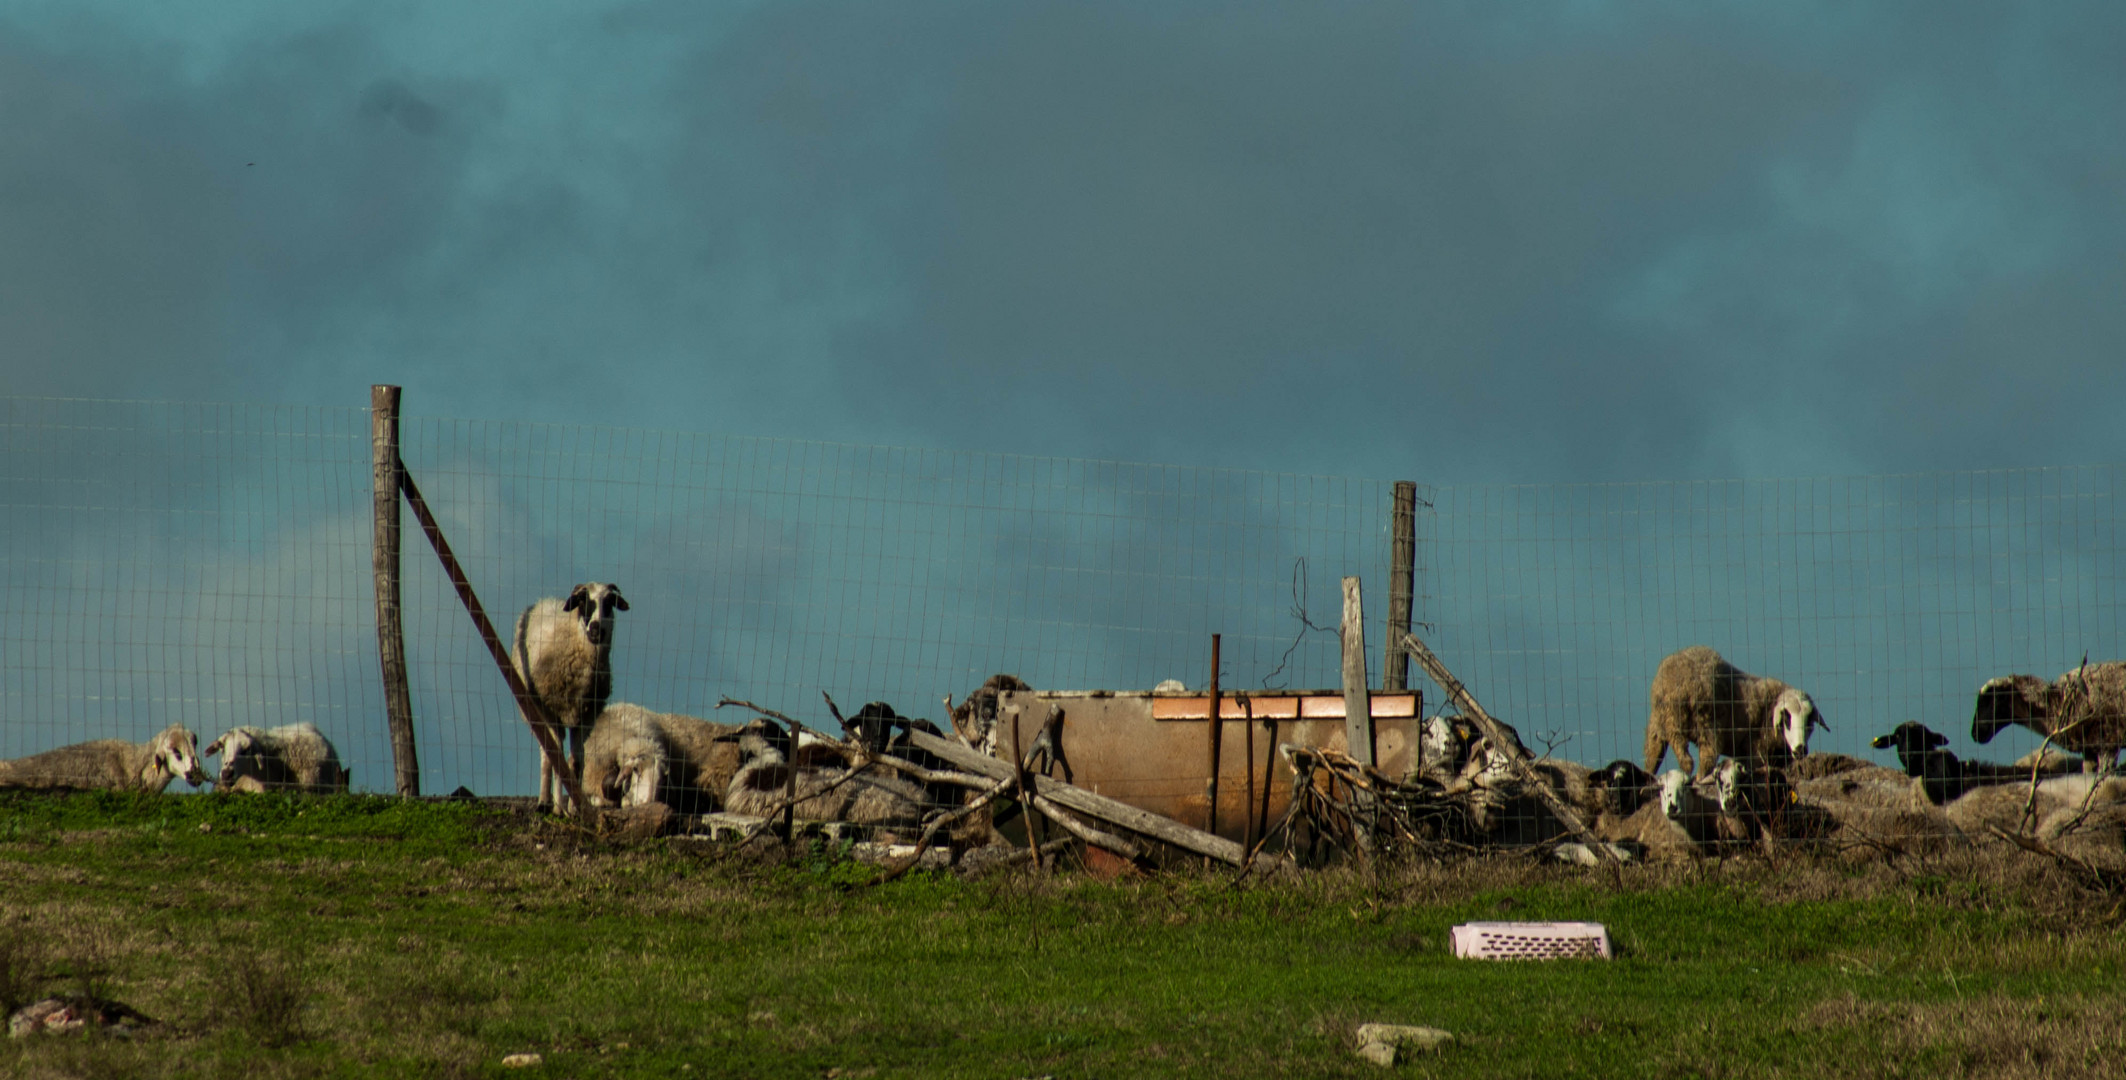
x,y
384,564
1071,797
1515,754
1358,707
1402,580
1275,707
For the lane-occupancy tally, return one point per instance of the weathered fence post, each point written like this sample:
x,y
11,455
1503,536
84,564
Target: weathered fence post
x,y
384,560
1402,579
1217,744
1358,701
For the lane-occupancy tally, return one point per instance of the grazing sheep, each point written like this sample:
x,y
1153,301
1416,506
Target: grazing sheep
x,y
1946,777
2083,710
1697,697
112,763
976,718
564,653
823,794
634,756
293,757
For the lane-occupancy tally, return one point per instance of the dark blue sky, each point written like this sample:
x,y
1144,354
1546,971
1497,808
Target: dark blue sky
x,y
1451,242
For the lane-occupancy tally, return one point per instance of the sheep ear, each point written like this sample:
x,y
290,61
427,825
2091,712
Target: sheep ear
x,y
619,601
1936,738
579,599
212,749
1882,742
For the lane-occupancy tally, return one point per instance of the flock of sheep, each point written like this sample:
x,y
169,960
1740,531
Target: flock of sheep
x,y
1754,780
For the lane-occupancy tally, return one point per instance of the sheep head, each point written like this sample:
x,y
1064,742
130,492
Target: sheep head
x,y
595,603
1673,783
638,775
2007,700
1445,742
177,754
1627,785
1794,716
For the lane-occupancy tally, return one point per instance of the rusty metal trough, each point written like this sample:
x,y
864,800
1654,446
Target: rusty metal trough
x,y
1150,749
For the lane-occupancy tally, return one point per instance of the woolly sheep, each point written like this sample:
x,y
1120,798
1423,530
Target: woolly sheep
x,y
1872,807
635,756
2002,806
823,794
2083,710
293,757
1697,697
563,652
1946,777
112,763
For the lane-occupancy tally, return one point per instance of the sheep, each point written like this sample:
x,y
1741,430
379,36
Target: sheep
x,y
112,763
1817,766
2083,710
1697,697
823,794
1621,788
563,652
1696,811
293,757
635,756
1946,777
882,731
1444,745
1875,807
976,718
2016,808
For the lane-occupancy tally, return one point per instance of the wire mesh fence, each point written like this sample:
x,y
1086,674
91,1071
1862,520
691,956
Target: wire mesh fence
x,y
209,566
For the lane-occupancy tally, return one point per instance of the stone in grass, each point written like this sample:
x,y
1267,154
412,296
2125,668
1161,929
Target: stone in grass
x,y
521,1061
1385,1044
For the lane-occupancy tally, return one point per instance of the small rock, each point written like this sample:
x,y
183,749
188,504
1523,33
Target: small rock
x,y
206,826
1383,1044
522,1061
72,1013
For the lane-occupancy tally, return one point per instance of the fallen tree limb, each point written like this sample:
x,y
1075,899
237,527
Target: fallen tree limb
x,y
1077,799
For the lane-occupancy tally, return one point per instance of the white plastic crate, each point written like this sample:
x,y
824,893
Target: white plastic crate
x,y
1531,941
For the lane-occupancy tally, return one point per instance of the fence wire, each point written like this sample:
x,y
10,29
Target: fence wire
x,y
209,566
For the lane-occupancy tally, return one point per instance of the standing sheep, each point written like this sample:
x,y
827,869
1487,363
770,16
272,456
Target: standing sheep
x,y
293,757
112,763
1697,697
564,653
2083,710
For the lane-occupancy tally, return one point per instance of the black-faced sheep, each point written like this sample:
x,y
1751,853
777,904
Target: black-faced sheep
x,y
564,653
1699,698
1946,777
292,757
112,763
824,792
2083,710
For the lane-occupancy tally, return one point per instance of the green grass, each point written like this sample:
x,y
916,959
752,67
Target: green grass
x,y
369,937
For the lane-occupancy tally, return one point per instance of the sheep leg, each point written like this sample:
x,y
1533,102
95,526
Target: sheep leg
x,y
1656,746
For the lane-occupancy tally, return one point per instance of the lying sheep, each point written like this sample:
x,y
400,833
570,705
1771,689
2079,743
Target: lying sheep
x,y
293,757
635,756
1872,808
2016,808
1697,697
563,651
112,763
1697,811
823,793
1946,777
2083,710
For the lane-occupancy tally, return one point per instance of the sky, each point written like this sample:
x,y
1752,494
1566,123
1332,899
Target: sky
x,y
1449,242
1870,258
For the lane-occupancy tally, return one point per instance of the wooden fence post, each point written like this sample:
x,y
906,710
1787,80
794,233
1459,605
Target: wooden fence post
x,y
384,561
1216,733
1402,580
1358,701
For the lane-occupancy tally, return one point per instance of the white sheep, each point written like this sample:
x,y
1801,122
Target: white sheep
x,y
563,651
1695,810
1697,697
824,792
112,763
293,757
634,755
1982,811
2083,710
1874,807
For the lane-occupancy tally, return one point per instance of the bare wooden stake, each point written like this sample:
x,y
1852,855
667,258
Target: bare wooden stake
x,y
384,561
1216,738
1358,701
1026,791
1247,760
528,705
1402,579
